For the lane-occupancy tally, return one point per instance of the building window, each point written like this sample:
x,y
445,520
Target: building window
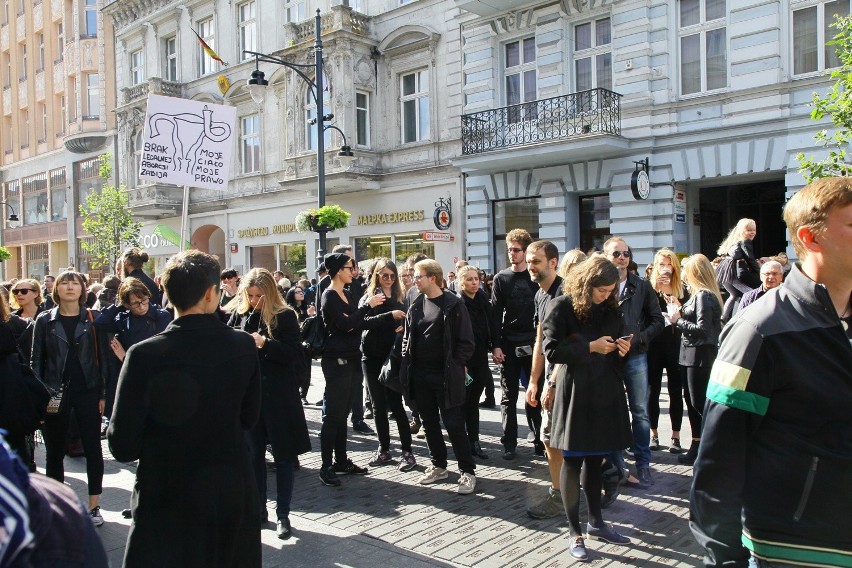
x,y
594,221
63,115
250,143
414,105
35,199
512,214
170,52
703,46
58,194
291,259
42,131
87,178
311,115
296,12
37,261
40,52
136,166
206,63
247,28
397,247
7,68
362,119
93,94
60,41
10,141
5,12
593,55
22,49
811,32
520,73
137,67
91,15
25,135
12,196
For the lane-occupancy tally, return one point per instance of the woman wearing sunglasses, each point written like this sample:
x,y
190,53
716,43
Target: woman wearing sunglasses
x,y
25,298
376,344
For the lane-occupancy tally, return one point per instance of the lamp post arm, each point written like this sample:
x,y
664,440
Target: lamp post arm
x,y
293,66
332,127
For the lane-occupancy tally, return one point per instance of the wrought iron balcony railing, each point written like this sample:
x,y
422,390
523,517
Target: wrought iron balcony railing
x,y
596,111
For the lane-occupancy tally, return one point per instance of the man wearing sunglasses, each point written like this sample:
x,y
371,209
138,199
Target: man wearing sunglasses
x,y
644,321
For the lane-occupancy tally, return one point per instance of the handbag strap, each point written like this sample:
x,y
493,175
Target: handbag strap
x,y
95,334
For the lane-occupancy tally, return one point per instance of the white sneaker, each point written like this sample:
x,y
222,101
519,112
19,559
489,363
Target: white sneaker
x,y
97,519
467,483
432,475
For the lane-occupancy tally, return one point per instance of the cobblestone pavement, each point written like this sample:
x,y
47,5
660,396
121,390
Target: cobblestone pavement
x,y
385,519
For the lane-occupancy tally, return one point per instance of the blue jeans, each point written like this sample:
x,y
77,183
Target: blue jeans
x,y
636,381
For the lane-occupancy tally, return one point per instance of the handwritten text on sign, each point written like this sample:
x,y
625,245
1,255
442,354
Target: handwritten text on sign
x,y
187,142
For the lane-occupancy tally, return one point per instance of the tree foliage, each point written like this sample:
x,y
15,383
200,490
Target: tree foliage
x,y
837,106
107,218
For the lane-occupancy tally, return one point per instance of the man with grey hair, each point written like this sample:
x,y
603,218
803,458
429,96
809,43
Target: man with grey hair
x,y
771,276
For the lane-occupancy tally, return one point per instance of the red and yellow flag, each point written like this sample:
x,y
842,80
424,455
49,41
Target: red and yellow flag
x,y
209,50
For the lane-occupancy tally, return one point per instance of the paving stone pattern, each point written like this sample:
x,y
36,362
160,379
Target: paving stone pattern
x,y
384,519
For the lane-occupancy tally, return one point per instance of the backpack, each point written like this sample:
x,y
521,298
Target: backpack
x,y
312,335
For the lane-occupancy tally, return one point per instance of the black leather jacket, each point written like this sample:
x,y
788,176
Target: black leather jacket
x,y
642,315
701,320
50,349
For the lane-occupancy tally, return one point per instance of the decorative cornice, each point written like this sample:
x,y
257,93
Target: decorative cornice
x,y
127,12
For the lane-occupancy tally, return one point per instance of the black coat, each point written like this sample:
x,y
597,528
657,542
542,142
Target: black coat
x,y
642,315
746,268
281,408
701,325
458,348
486,332
379,332
590,408
185,398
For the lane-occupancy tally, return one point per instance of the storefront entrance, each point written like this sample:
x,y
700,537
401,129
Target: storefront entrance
x,y
721,207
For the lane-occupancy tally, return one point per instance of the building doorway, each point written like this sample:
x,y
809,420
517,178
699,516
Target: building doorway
x,y
721,207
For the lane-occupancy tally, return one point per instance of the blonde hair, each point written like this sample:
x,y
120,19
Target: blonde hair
x,y
571,259
810,207
272,304
699,275
465,269
431,268
736,235
677,284
33,283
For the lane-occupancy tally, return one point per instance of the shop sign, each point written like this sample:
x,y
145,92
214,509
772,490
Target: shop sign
x,y
153,241
442,216
161,236
680,218
250,232
437,237
395,217
680,196
680,208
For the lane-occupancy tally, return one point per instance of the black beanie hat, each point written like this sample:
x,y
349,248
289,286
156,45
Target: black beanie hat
x,y
334,261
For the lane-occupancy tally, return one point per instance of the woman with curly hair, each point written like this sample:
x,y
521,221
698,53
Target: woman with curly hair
x,y
582,334
259,310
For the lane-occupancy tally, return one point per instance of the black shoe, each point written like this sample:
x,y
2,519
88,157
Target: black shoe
x,y
368,415
644,476
538,449
305,402
674,447
689,457
655,444
610,495
628,453
477,451
349,468
329,477
362,427
508,454
127,513
487,403
282,529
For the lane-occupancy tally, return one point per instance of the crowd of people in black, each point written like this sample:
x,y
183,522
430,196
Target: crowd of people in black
x,y
199,374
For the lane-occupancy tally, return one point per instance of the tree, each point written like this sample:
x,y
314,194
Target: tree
x,y
837,106
107,218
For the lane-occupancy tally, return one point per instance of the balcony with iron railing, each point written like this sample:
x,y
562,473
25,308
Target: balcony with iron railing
x,y
566,125
153,200
597,111
154,86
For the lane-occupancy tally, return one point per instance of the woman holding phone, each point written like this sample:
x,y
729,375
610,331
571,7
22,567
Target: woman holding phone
x,y
259,310
582,334
664,351
700,323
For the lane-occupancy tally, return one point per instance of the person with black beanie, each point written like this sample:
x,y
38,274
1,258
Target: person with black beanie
x,y
341,363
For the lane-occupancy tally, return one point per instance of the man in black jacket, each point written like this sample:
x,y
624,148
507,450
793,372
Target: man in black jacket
x,y
437,344
775,463
513,298
642,319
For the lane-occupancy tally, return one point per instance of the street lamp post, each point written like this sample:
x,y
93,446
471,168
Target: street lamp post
x,y
13,218
257,87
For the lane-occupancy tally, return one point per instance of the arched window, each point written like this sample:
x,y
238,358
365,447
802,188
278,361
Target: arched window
x,y
137,158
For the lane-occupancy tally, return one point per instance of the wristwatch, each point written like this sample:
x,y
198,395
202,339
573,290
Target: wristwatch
x,y
551,384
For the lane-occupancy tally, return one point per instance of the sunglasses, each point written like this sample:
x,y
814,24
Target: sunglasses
x,y
22,291
620,253
515,249
387,276
349,268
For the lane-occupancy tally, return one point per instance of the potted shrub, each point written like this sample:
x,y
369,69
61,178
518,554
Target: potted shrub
x,y
4,254
326,218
